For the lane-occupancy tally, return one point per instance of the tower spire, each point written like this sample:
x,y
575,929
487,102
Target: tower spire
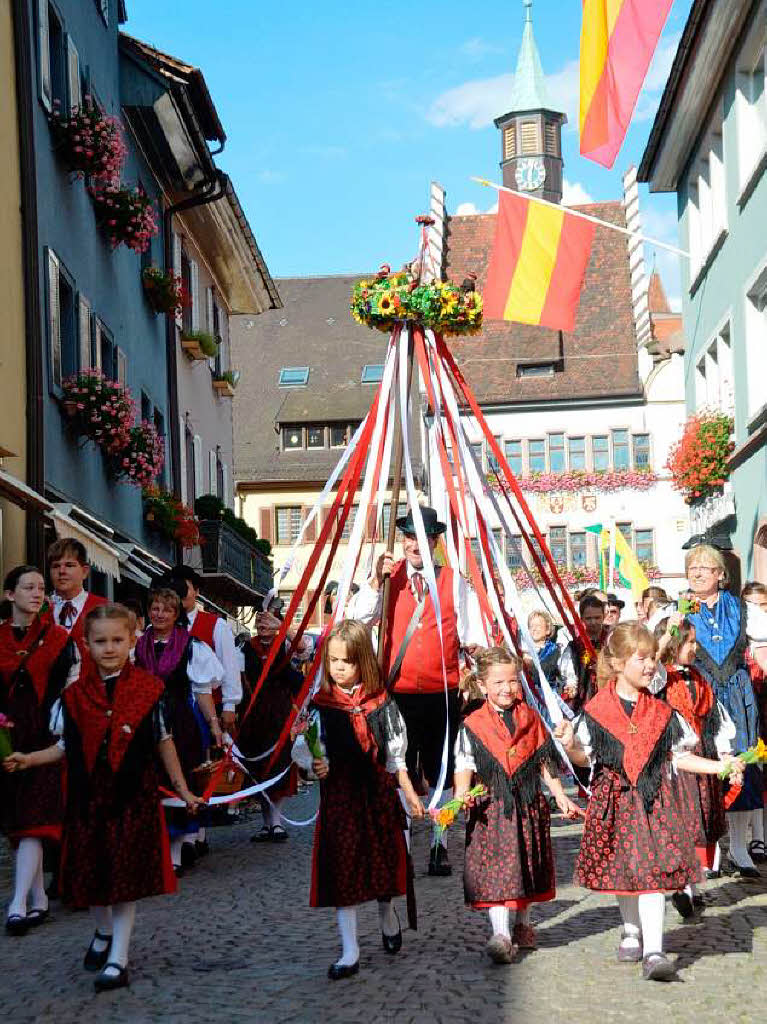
x,y
529,91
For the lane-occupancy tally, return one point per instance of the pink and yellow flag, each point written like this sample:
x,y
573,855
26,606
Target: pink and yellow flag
x,y
618,39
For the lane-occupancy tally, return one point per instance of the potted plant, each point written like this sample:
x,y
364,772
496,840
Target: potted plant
x,y
226,382
140,462
698,460
170,517
99,409
88,141
126,214
199,344
164,290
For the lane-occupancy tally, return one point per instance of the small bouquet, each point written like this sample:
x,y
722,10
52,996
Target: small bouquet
x,y
754,755
6,746
686,606
310,732
444,816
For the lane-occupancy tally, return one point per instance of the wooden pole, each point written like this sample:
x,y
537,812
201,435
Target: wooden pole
x,y
399,452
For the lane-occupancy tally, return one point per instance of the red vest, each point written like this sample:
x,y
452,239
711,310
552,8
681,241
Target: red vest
x,y
421,670
204,625
77,631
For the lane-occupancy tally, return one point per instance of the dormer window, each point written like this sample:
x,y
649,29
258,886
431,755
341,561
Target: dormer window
x,y
372,373
294,377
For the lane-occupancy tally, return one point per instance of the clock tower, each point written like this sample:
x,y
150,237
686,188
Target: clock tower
x,y
531,133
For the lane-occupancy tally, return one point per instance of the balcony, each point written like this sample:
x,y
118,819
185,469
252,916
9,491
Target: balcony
x,y
233,572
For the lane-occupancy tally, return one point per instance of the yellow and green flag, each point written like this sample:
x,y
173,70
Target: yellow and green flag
x,y
630,572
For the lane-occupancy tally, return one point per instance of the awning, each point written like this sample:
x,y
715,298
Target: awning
x,y
20,494
102,555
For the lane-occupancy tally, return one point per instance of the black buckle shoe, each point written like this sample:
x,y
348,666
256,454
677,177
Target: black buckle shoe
x,y
16,924
729,867
757,851
336,972
393,943
107,982
94,961
683,904
439,865
188,855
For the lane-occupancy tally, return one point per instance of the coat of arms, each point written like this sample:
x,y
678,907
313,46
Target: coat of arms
x,y
589,502
556,504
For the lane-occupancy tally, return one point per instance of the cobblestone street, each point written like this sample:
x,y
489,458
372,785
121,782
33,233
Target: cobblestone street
x,y
238,942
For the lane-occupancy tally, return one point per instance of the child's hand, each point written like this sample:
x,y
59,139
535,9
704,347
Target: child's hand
x,y
414,806
16,762
215,731
193,802
320,767
737,769
565,734
570,809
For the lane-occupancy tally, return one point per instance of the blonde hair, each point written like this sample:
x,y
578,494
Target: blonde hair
x,y
674,645
624,640
165,595
111,613
541,613
705,554
486,658
359,650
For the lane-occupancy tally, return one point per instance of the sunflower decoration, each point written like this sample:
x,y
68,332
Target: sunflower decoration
x,y
389,299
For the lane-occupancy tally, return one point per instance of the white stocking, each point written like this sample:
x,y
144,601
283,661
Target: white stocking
x,y
499,919
201,835
757,825
632,930
387,918
39,897
347,926
652,909
175,851
29,866
273,814
717,858
103,918
737,822
123,919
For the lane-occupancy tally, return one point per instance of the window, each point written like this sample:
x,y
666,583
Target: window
x,y
714,375
492,462
514,559
286,596
338,435
707,198
288,521
600,452
52,57
191,474
401,511
292,437
315,436
643,547
106,352
625,529
621,449
63,331
641,446
186,277
751,103
372,373
536,452
212,473
538,550
476,447
551,138
220,475
85,332
146,407
578,550
576,452
556,453
349,524
558,544
74,87
756,343
513,453
536,370
294,376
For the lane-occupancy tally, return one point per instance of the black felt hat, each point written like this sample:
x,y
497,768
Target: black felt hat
x,y
715,540
431,523
616,601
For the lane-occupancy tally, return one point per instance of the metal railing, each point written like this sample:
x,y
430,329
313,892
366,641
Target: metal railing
x,y
224,551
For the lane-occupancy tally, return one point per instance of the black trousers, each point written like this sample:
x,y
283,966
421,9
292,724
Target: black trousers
x,y
425,718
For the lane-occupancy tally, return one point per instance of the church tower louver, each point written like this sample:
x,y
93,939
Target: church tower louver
x,y
531,133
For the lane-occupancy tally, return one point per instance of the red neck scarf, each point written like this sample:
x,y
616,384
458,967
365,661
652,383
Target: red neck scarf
x,y
695,711
637,735
510,750
136,693
358,706
36,651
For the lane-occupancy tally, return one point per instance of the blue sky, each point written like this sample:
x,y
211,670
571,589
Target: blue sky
x,y
339,115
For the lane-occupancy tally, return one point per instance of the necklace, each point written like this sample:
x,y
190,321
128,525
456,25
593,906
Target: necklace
x,y
712,619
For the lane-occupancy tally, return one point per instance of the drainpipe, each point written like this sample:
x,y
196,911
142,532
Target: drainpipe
x,y
35,455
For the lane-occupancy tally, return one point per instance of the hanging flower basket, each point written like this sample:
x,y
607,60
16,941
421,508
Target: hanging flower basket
x,y
164,290
99,409
170,517
140,462
441,306
698,460
126,214
89,142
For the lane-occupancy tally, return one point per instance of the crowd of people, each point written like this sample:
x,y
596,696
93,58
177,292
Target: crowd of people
x,y
108,714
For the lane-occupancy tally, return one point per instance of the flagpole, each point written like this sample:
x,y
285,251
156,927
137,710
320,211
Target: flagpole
x,y
611,577
583,216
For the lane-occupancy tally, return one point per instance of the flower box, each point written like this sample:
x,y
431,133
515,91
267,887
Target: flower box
x,y
171,518
127,215
89,142
165,291
698,461
192,348
224,388
199,344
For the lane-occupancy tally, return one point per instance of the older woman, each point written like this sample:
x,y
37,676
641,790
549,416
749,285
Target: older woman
x,y
724,626
543,632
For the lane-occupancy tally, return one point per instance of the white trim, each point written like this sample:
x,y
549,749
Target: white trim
x,y
84,320
44,54
74,90
182,459
212,472
225,497
54,318
197,449
194,275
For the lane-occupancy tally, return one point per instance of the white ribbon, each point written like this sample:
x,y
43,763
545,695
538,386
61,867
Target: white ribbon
x,y
231,798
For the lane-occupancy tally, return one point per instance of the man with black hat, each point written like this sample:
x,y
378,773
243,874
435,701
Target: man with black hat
x,y
412,660
613,609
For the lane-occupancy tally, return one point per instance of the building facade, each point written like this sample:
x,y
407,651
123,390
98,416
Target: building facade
x,y
709,145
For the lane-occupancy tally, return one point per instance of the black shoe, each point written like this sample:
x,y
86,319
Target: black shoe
x,y
393,943
52,892
710,875
178,871
107,982
201,848
683,904
657,967
37,916
16,924
188,855
439,865
278,834
94,961
729,867
698,901
338,971
264,835
757,851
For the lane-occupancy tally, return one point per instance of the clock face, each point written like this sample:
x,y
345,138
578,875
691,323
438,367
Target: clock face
x,y
530,173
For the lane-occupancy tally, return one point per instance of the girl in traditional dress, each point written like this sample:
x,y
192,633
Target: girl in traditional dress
x,y
636,840
359,842
687,692
36,660
509,861
756,594
725,626
115,848
190,670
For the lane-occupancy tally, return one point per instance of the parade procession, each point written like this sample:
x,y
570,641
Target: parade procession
x,y
388,643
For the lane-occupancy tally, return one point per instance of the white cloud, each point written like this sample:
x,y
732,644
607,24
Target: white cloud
x,y
574,194
476,48
471,210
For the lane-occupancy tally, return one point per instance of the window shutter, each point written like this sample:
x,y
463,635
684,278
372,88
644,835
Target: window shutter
x,y
529,132
54,317
212,473
194,274
122,367
73,76
85,333
44,55
225,485
182,459
197,449
210,325
510,143
97,360
311,533
265,524
104,8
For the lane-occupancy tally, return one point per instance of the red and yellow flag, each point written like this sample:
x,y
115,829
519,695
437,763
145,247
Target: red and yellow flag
x,y
537,265
618,39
